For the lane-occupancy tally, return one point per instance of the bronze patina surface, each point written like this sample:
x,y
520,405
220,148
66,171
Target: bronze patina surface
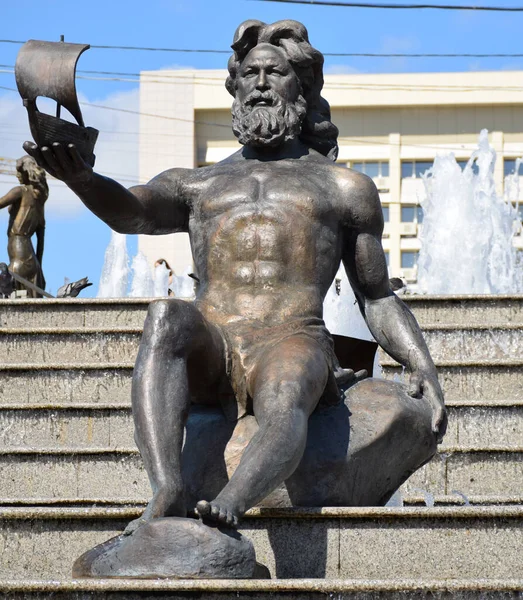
x,y
269,227
26,218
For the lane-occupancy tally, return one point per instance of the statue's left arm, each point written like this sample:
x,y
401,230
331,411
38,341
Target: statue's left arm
x,y
390,321
11,197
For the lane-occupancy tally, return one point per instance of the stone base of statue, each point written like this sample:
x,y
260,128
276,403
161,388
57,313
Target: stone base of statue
x,y
172,548
358,454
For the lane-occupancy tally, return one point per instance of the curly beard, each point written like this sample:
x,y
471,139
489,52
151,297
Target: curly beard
x,y
267,125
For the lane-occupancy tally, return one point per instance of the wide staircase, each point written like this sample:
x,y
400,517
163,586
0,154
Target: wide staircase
x,y
71,477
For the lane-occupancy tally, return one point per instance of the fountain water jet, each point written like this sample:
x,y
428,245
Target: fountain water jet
x,y
468,229
143,284
115,272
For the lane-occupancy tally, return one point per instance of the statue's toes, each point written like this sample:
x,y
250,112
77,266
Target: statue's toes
x,y
203,508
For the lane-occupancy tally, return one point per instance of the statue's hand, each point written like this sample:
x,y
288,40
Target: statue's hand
x,y
62,162
427,385
346,378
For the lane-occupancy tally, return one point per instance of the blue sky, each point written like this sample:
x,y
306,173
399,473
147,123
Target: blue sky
x,y
76,240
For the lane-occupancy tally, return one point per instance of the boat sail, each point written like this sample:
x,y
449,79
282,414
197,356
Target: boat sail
x,y
48,69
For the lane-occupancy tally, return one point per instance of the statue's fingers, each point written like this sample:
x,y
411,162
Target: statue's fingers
x,y
415,385
76,157
344,376
62,156
439,423
363,374
50,159
34,151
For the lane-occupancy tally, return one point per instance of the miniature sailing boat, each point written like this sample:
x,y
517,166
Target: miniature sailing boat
x,y
48,69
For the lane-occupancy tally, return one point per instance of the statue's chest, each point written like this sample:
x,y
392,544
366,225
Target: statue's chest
x,y
281,193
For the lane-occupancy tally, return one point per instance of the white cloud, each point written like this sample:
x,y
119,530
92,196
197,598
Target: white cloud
x,y
116,149
340,70
397,45
394,44
175,67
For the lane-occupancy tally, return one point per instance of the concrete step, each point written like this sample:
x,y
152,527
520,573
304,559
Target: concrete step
x,y
120,344
33,428
491,382
55,385
481,383
422,544
108,475
73,312
31,346
276,589
465,310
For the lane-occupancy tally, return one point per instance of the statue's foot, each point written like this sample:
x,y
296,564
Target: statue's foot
x,y
166,502
218,513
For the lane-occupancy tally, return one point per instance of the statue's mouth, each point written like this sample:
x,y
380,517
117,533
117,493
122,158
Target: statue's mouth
x,y
261,101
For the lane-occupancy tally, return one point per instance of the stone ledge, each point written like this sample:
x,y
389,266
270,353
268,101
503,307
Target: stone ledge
x,y
414,298
86,330
133,451
412,543
263,585
412,499
296,513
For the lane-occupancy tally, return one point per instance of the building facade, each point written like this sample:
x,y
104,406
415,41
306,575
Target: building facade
x,y
391,128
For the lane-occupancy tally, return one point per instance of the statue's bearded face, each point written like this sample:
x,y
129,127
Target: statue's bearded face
x,y
268,108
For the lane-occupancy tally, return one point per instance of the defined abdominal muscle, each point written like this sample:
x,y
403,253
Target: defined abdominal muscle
x,y
258,273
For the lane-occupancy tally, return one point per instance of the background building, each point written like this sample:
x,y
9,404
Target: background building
x,y
391,128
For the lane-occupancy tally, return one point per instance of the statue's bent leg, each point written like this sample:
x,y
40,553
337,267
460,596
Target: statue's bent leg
x,y
286,386
174,333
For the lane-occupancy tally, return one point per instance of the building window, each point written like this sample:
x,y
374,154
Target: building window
x,y
463,164
409,259
372,168
410,214
519,209
509,167
385,210
414,168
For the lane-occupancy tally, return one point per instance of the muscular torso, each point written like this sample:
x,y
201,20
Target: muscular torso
x,y
266,238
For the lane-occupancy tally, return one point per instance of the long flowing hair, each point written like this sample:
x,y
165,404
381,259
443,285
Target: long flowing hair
x,y
292,37
34,175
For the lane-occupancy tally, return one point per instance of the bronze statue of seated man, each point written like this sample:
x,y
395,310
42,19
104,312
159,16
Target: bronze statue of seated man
x,y
269,227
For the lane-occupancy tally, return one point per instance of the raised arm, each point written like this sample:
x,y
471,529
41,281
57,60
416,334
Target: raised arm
x,y
390,321
155,208
12,196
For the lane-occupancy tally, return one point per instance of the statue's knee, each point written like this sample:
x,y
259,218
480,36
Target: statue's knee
x,y
164,316
171,321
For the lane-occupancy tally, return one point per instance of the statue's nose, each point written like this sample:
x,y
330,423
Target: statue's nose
x,y
262,83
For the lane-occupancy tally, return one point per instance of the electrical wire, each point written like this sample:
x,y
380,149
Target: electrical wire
x,y
401,6
334,54
329,85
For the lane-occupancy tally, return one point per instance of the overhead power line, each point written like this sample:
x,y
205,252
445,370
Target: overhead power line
x,y
142,48
402,6
333,54
329,85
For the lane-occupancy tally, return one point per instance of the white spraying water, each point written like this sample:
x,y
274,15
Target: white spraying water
x,y
161,281
341,312
115,271
143,284
183,285
466,239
